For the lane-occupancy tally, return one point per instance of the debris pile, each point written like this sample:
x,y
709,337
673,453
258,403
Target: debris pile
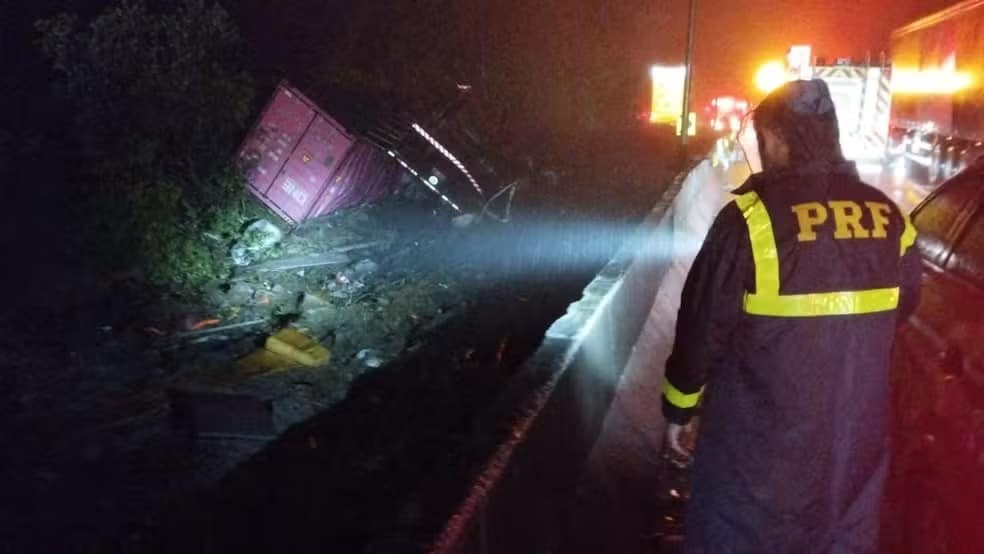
x,y
259,237
350,281
179,391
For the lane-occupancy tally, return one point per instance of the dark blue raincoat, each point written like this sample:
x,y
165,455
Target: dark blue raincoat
x,y
792,448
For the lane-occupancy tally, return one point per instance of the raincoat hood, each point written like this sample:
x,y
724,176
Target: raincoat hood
x,y
803,114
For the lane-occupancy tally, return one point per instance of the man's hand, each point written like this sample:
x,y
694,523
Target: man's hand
x,y
674,432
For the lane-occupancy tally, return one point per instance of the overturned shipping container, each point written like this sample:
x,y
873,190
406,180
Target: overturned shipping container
x,y
302,163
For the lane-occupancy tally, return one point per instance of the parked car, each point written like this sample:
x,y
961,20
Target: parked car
x,y
935,490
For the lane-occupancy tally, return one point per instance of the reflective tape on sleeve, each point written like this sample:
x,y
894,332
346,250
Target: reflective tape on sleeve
x,y
680,399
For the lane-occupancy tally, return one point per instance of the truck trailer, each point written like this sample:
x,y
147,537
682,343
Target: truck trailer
x,y
937,123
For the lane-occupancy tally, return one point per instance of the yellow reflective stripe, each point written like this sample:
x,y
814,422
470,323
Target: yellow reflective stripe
x,y
824,303
763,241
680,399
908,235
768,302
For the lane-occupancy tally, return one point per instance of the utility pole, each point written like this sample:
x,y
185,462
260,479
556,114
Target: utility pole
x,y
688,79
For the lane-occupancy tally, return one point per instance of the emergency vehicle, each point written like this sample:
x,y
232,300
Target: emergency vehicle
x,y
862,95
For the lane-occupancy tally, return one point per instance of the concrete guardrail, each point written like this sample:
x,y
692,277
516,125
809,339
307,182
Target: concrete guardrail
x,y
521,500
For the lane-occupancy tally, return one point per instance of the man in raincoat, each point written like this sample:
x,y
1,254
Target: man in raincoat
x,y
787,319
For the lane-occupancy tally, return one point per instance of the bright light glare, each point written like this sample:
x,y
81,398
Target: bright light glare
x,y
930,81
691,125
572,243
771,76
667,101
800,60
869,168
899,170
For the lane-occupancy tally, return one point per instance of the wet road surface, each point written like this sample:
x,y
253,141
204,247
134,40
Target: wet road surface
x,y
901,189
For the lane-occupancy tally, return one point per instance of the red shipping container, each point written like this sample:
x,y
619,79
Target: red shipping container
x,y
291,153
366,174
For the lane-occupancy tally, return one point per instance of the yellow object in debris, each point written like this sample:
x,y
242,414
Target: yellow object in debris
x,y
298,347
262,362
286,349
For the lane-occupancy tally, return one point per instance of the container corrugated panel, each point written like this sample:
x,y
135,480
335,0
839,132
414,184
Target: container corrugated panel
x,y
291,154
366,174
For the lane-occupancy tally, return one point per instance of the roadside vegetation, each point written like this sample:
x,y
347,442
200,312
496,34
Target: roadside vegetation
x,y
160,98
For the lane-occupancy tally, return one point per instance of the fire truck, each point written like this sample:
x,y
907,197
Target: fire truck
x,y
862,95
937,82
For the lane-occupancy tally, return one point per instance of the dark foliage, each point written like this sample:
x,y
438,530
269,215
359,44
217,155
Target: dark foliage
x,y
160,97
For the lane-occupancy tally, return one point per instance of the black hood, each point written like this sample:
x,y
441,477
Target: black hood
x,y
803,113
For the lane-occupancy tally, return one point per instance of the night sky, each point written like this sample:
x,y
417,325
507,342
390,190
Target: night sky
x,y
735,36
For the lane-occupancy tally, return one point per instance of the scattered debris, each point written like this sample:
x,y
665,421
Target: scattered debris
x,y
507,210
285,349
214,330
388,280
259,237
298,347
365,268
260,362
301,262
203,324
371,358
359,246
464,220
240,293
312,301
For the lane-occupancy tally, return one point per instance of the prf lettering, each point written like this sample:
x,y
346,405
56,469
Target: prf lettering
x,y
847,219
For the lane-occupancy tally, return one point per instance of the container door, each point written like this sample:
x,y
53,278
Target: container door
x,y
271,142
305,175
